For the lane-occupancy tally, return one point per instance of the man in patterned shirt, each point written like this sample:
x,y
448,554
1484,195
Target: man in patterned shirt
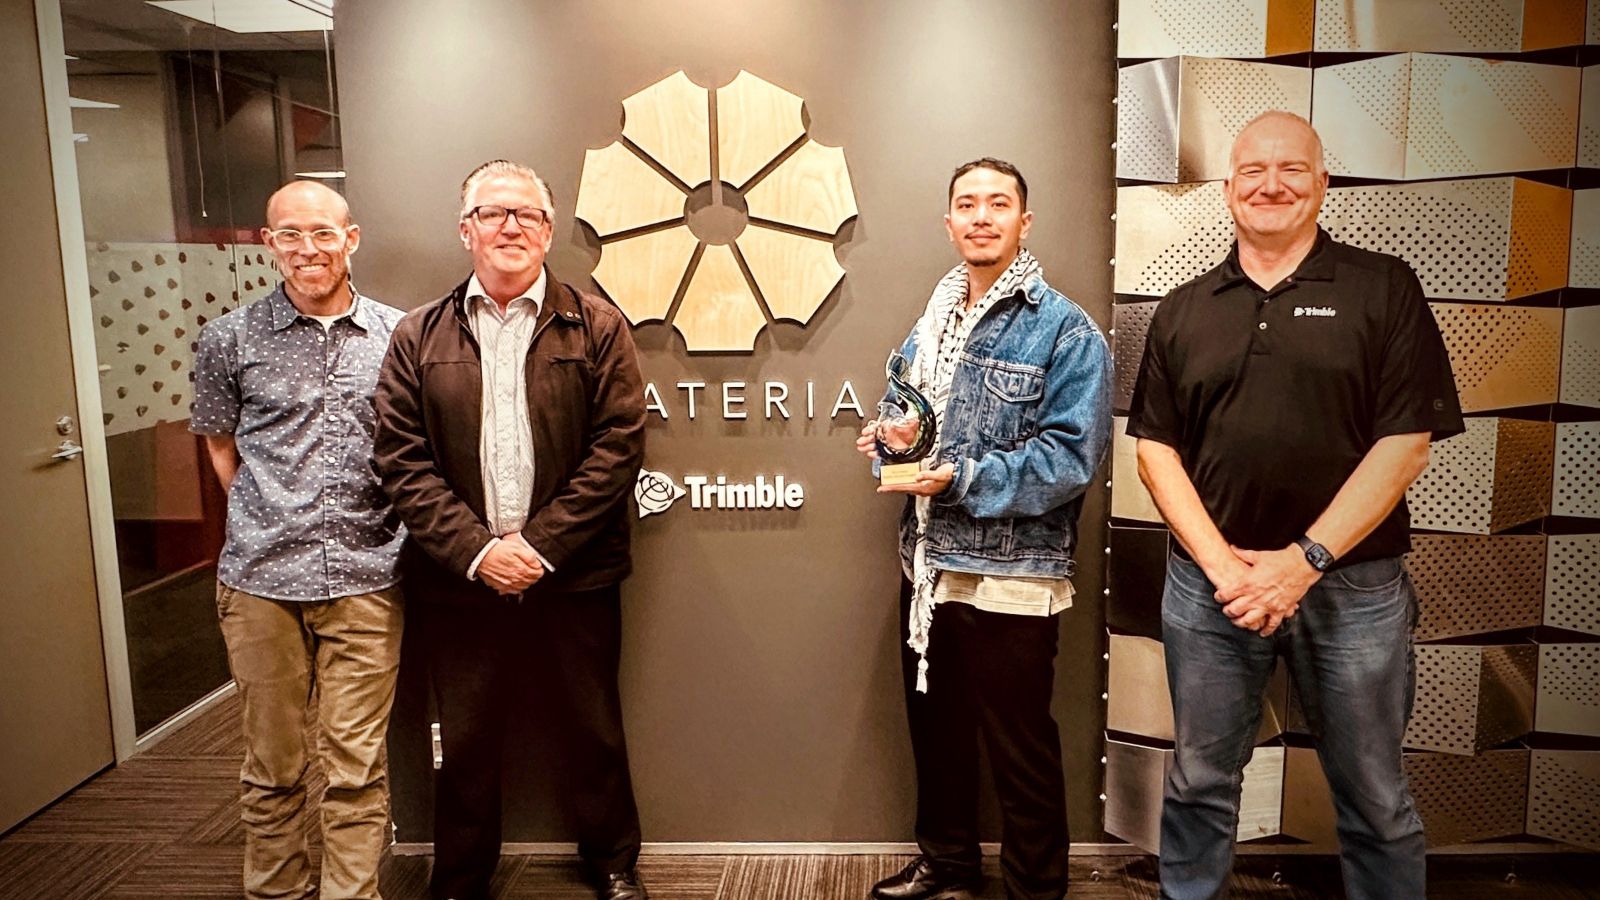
x,y
307,582
1020,380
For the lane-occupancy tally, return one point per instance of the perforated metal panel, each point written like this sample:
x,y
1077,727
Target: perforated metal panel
x,y
1129,498
1564,797
1469,584
1135,574
1502,357
1577,470
1449,26
1492,477
1589,117
1471,698
1167,235
1572,583
1176,119
1585,251
1580,356
1469,798
1569,689
1592,33
1238,28
1136,773
1422,115
1131,322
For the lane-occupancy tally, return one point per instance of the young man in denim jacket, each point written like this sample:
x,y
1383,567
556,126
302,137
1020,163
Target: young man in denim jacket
x,y
1019,379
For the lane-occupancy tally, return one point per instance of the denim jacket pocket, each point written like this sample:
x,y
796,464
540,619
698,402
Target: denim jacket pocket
x,y
1010,407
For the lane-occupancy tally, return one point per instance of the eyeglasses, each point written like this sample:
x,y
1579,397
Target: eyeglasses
x,y
294,238
495,216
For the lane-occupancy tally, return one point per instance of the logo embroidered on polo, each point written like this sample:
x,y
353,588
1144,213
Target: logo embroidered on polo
x,y
1326,312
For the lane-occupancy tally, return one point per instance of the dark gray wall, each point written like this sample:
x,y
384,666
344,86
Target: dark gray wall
x,y
760,668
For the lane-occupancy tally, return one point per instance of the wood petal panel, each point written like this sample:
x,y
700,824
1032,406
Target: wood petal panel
x,y
756,120
719,311
795,273
619,192
642,273
671,121
810,190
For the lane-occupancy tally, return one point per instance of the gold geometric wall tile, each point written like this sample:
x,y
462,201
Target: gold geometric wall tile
x,y
1448,26
619,192
1177,118
642,273
1580,357
1592,32
1494,476
1564,797
810,190
1572,583
1136,774
1502,357
1130,325
669,120
1585,251
1577,470
1472,698
1130,499
1247,29
719,312
1589,118
1168,234
795,274
756,120
1474,584
1421,115
1568,701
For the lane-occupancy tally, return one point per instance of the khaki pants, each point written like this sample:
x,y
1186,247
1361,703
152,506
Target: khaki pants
x,y
345,652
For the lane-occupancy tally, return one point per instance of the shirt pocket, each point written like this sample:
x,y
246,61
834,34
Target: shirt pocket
x,y
1009,403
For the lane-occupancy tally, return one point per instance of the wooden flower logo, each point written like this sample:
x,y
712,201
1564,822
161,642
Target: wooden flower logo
x,y
716,243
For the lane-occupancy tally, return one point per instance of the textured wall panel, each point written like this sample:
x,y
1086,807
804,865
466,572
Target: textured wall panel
x,y
1129,498
1569,689
1131,322
1589,118
1448,26
1492,477
1564,797
1472,698
1136,572
1421,115
1135,775
1580,356
1592,32
1470,584
1177,118
1572,583
1460,798
1239,28
1167,235
150,302
1482,239
1577,470
1585,252
1502,357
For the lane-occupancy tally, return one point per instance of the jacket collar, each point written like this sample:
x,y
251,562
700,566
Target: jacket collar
x,y
560,301
1317,266
284,312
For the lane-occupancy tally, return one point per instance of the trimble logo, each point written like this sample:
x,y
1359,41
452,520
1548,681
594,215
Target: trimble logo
x,y
655,492
1326,312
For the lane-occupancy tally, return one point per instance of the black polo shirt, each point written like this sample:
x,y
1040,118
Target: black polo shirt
x,y
1272,397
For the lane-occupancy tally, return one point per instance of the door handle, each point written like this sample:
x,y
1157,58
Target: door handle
x,y
67,450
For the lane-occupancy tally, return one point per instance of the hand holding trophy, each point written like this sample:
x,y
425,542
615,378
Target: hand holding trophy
x,y
906,426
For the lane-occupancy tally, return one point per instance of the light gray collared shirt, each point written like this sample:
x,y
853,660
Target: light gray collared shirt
x,y
307,516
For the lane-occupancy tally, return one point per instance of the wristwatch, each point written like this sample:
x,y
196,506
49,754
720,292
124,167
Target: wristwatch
x,y
1316,554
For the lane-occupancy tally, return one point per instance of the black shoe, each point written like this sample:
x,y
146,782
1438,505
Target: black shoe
x,y
923,880
623,886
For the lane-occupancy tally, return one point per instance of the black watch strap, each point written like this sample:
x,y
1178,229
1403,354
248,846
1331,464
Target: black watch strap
x,y
1316,554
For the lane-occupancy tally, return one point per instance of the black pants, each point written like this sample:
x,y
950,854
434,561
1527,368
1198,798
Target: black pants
x,y
481,659
990,676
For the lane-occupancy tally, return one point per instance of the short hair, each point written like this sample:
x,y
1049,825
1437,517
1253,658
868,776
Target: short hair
x,y
499,167
1316,139
996,165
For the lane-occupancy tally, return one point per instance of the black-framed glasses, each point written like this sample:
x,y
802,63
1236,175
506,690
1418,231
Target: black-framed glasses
x,y
294,238
494,216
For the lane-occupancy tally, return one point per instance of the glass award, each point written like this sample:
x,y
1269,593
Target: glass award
x,y
906,428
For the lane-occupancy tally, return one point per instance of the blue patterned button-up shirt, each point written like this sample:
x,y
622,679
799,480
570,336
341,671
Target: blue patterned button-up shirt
x,y
307,516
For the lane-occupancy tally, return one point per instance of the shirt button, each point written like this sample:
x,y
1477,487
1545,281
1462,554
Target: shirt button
x,y
322,339
1262,326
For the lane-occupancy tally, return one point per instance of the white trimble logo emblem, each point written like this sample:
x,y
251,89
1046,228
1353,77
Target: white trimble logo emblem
x,y
655,492
1326,312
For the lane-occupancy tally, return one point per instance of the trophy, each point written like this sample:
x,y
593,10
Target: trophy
x,y
906,426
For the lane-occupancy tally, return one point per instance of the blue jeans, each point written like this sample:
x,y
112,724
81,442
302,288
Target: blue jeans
x,y
1349,653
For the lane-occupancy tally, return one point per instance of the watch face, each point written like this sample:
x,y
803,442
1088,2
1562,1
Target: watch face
x,y
1319,557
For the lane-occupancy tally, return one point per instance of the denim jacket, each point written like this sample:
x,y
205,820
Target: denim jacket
x,y
1027,425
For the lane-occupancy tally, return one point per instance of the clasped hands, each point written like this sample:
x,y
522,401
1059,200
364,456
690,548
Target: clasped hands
x,y
929,483
510,566
1259,589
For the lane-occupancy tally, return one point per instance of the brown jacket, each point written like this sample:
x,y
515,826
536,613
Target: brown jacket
x,y
586,408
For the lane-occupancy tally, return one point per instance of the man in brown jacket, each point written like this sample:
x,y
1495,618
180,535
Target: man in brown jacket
x,y
510,428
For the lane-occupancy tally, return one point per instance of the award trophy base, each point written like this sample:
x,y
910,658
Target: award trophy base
x,y
900,473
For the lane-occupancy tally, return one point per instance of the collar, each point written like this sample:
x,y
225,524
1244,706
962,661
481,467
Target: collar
x,y
535,293
1317,266
284,312
558,299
